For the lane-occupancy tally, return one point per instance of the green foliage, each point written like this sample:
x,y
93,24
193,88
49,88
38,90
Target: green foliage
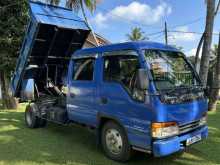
x,y
77,4
191,59
213,59
137,35
12,26
74,145
82,4
53,2
178,47
215,50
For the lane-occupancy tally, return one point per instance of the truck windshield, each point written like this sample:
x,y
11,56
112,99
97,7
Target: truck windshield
x,y
170,70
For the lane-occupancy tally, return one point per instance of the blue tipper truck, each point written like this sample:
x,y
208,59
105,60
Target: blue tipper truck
x,y
140,96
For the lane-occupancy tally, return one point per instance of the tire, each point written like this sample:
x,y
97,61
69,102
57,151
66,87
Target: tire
x,y
31,119
42,122
115,143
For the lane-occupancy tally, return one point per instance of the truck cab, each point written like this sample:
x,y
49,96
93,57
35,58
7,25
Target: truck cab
x,y
141,96
148,89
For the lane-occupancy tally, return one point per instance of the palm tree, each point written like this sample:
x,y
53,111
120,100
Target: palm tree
x,y
82,4
136,35
53,2
215,85
204,66
203,35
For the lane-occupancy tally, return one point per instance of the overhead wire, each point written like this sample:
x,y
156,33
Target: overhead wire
x,y
188,23
188,32
162,30
155,33
141,24
156,37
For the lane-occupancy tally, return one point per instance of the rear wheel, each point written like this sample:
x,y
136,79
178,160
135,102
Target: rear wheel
x,y
115,142
31,119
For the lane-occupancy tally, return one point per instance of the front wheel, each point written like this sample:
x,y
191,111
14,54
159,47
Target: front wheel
x,y
115,142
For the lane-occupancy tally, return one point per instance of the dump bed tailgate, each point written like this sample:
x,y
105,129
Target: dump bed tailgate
x,y
53,33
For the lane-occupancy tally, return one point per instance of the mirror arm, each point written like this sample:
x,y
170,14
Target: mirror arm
x,y
152,94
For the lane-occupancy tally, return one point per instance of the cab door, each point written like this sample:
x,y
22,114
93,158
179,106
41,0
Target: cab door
x,y
121,101
82,91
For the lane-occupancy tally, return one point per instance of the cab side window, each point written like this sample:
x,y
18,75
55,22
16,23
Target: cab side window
x,y
121,69
83,69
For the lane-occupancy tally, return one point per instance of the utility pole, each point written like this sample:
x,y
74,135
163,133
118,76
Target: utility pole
x,y
166,35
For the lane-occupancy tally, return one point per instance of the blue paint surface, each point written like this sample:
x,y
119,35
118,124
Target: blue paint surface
x,y
42,14
86,108
135,117
126,46
172,145
54,15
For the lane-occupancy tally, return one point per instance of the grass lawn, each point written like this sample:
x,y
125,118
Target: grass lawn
x,y
55,145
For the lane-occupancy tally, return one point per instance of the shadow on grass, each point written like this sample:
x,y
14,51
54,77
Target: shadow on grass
x,y
75,145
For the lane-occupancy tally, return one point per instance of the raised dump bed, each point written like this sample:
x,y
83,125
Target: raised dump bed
x,y
52,36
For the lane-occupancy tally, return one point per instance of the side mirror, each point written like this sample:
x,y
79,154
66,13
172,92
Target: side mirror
x,y
142,79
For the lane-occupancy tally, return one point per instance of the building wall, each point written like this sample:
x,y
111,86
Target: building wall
x,y
90,42
88,45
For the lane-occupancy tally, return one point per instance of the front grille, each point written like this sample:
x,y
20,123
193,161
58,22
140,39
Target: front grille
x,y
189,127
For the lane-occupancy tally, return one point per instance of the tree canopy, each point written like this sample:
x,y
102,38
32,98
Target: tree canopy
x,y
136,35
53,2
13,20
14,15
77,4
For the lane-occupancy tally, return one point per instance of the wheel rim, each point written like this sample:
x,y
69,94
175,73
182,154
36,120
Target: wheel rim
x,y
29,117
113,141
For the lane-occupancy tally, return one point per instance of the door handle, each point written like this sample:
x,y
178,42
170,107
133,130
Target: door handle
x,y
104,100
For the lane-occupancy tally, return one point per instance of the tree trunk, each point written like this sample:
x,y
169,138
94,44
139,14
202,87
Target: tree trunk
x,y
213,95
198,51
8,101
216,83
202,39
87,22
204,65
217,8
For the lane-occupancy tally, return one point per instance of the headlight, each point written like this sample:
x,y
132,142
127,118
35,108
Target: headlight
x,y
164,130
203,120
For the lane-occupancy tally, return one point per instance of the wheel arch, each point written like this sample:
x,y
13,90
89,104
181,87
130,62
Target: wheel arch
x,y
102,119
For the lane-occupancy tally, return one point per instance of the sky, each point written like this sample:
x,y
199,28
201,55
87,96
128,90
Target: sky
x,y
113,19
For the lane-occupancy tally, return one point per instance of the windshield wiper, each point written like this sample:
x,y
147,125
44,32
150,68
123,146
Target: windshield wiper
x,y
176,88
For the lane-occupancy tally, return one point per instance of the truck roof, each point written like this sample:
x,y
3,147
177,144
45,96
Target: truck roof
x,y
126,46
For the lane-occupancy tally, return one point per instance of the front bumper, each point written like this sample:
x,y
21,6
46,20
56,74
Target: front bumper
x,y
168,146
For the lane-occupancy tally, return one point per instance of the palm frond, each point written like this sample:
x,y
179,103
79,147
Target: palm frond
x,y
77,4
136,35
73,4
90,4
53,2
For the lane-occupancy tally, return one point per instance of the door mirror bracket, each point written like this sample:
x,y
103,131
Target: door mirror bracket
x,y
142,79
